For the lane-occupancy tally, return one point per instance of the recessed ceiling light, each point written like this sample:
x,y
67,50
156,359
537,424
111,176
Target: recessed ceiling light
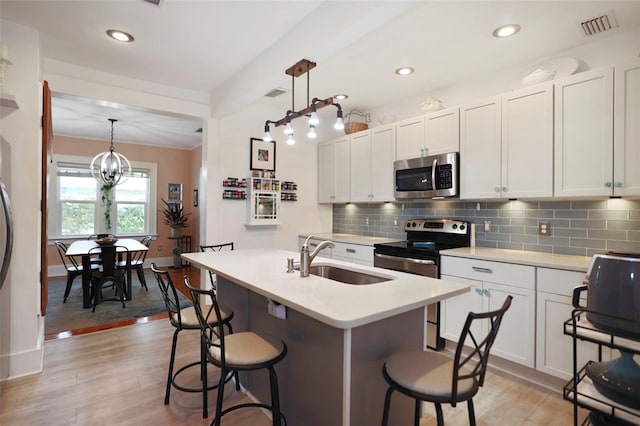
x,y
341,96
120,36
404,71
506,30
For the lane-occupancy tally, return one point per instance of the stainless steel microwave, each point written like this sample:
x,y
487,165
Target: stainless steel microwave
x,y
434,176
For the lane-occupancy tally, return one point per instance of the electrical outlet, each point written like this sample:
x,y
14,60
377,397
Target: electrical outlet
x,y
487,226
395,221
544,229
159,247
366,220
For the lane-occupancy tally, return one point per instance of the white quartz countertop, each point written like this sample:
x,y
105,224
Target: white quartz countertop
x,y
531,258
350,238
264,271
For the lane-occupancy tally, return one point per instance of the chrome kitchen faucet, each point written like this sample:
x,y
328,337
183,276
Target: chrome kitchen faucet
x,y
306,258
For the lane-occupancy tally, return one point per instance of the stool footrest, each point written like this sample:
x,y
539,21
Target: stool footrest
x,y
198,389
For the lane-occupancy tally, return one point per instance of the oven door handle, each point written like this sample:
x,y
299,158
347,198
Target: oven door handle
x,y
405,259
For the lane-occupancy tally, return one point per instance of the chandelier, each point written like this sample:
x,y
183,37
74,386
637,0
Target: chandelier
x,y
302,67
110,168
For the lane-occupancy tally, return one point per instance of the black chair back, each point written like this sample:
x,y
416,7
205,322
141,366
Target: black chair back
x,y
214,248
73,265
476,361
169,294
138,257
207,310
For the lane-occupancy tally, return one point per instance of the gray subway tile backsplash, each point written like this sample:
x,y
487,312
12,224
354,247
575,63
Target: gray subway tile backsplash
x,y
583,227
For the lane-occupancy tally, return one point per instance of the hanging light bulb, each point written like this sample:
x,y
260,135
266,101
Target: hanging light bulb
x,y
313,117
312,132
110,168
288,130
339,122
290,139
267,135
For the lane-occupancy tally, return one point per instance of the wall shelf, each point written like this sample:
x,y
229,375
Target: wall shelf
x,y
288,191
234,194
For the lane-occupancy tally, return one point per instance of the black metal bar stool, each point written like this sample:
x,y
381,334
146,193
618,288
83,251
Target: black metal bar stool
x,y
185,318
243,351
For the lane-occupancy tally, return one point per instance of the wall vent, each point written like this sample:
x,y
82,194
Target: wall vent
x,y
275,93
600,24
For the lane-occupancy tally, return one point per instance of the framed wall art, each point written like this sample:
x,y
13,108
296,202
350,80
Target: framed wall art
x,y
174,192
262,155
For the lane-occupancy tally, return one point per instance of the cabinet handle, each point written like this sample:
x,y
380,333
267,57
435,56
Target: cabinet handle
x,y
503,189
484,270
607,184
351,250
485,292
497,189
479,291
618,184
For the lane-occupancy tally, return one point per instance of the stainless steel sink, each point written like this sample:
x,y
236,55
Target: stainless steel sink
x,y
346,276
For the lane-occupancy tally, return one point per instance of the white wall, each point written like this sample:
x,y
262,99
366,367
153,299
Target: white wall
x,y
21,327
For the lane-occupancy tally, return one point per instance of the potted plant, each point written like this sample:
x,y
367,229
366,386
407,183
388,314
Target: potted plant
x,y
175,217
177,260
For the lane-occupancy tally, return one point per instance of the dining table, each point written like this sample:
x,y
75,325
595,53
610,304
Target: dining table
x,y
83,248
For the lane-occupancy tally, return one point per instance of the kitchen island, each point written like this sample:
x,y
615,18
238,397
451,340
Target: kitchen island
x,y
338,334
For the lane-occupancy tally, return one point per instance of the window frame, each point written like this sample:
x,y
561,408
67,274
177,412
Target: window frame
x,y
55,220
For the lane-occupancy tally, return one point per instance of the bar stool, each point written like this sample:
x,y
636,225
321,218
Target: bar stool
x,y
243,351
185,319
435,377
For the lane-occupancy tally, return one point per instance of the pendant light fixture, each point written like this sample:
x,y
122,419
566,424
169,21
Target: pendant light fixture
x,y
110,168
302,67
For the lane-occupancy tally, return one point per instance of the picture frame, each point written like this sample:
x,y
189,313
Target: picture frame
x,y
174,192
195,198
262,155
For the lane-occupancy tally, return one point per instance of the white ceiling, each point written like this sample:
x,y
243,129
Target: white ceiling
x,y
237,51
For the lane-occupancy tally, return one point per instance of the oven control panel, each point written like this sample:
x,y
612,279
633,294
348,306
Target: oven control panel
x,y
447,226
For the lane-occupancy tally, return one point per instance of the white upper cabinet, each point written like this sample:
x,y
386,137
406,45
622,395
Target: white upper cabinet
x,y
584,134
527,142
626,152
442,131
372,154
410,138
480,147
333,171
502,140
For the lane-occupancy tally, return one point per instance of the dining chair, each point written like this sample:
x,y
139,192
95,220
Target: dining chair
x,y
244,351
214,248
108,274
435,377
184,318
71,265
137,261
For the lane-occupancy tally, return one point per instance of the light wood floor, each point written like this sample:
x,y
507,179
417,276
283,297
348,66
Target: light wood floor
x,y
118,377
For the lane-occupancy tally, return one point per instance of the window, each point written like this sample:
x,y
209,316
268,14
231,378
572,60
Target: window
x,y
84,209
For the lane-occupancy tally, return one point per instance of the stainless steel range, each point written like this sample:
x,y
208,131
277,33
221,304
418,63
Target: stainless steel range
x,y
420,254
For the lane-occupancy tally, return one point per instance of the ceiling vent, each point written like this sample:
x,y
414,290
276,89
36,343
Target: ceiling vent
x,y
600,24
275,93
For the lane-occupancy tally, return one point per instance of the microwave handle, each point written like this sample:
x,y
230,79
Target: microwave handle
x,y
433,174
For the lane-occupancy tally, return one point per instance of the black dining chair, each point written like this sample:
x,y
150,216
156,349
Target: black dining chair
x,y
108,274
71,265
214,248
435,377
137,261
184,318
245,351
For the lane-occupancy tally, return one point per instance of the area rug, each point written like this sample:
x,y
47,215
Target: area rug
x,y
71,316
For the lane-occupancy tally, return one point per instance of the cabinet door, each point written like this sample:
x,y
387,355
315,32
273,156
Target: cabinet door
x,y
360,173
442,131
516,336
454,310
383,151
342,162
410,138
480,136
584,134
527,142
626,144
326,172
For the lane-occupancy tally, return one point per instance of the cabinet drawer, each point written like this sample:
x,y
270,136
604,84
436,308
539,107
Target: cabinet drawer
x,y
495,272
353,251
559,282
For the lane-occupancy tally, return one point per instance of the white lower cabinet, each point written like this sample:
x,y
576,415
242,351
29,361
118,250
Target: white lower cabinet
x,y
554,351
354,253
491,283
